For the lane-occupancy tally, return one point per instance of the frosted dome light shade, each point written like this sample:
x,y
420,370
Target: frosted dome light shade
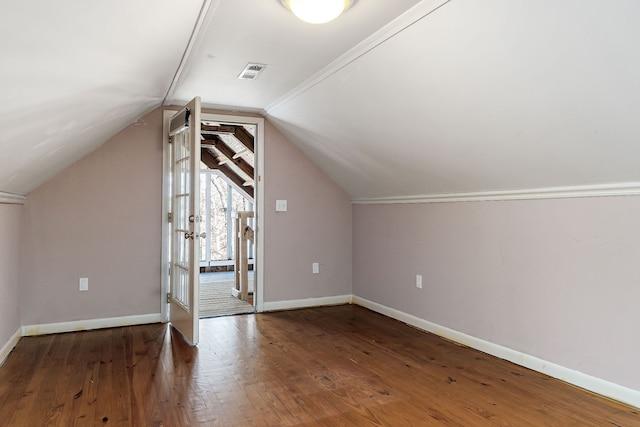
x,y
317,11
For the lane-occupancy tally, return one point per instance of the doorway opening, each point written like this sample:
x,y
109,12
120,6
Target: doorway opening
x,y
227,207
230,216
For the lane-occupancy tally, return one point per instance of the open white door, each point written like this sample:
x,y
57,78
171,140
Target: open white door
x,y
184,137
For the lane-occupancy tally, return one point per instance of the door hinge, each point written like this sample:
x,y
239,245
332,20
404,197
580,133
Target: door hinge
x,y
170,139
170,217
168,297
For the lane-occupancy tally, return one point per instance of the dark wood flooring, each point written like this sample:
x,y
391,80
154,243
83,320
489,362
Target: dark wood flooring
x,y
330,366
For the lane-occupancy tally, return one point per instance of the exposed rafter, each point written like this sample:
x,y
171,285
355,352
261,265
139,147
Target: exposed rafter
x,y
212,163
232,159
239,132
224,149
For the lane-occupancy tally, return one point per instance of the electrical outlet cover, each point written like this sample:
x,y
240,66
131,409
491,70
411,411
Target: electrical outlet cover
x,y
281,205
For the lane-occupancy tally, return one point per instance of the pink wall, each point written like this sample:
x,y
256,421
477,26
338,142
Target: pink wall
x,y
316,227
556,279
9,270
99,218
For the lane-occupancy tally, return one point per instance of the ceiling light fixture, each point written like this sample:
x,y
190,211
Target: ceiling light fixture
x,y
317,11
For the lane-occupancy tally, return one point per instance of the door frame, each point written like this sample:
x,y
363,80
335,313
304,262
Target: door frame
x,y
258,200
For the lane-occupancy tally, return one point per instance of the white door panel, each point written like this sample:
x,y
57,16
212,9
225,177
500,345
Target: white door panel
x,y
185,225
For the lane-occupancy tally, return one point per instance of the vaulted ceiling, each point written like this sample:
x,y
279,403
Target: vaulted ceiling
x,y
394,98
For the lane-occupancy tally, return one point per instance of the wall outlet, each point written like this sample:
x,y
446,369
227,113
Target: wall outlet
x,y
84,284
419,281
281,205
315,268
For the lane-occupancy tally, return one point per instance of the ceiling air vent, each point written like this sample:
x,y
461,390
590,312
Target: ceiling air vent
x,y
251,71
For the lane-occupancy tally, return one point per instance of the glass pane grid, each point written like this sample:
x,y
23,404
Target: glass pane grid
x,y
181,200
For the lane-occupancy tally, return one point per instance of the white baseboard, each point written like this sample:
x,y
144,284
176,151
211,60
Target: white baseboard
x,y
306,303
6,349
83,325
585,381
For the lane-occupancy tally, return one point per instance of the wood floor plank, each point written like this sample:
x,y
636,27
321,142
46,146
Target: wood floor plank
x,y
44,402
330,366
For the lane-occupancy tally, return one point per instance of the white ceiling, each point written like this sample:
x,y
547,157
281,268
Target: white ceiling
x,y
479,96
395,98
263,31
76,72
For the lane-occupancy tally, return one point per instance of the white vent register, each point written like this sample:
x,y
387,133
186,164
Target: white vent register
x,y
251,71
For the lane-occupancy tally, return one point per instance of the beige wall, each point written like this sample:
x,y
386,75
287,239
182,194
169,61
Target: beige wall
x,y
100,219
556,279
316,227
9,271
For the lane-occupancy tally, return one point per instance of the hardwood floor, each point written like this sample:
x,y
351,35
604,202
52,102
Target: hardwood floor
x,y
330,366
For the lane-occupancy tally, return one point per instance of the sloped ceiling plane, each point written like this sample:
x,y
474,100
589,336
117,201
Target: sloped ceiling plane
x,y
393,99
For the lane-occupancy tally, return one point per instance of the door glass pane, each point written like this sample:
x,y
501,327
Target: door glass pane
x,y
181,197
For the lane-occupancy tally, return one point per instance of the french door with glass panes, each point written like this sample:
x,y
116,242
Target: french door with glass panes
x,y
184,137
